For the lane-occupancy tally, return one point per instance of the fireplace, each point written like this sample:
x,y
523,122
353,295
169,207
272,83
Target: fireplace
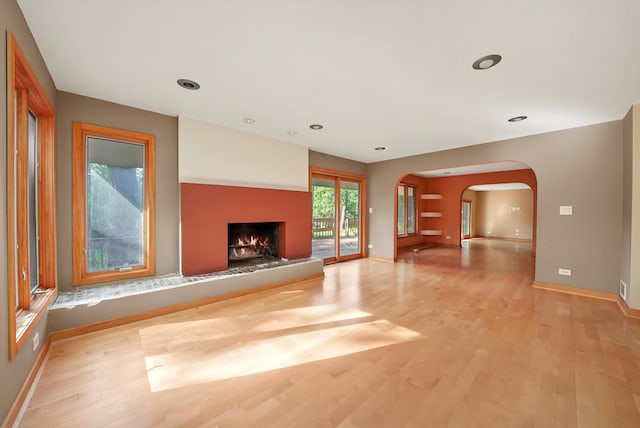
x,y
253,243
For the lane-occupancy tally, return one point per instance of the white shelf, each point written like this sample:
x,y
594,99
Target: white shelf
x,y
430,214
431,196
429,232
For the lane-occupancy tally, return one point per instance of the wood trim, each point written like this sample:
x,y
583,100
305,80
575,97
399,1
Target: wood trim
x,y
335,173
78,331
632,313
11,217
338,177
576,291
39,305
11,417
48,261
79,191
611,297
23,82
22,197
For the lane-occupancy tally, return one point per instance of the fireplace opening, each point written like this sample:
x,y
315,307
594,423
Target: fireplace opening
x,y
253,243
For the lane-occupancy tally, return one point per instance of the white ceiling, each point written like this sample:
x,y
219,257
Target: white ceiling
x,y
498,186
473,169
373,72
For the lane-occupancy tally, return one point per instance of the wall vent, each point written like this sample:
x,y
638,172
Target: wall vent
x,y
623,289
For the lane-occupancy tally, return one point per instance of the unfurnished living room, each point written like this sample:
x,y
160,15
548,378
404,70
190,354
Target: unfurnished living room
x,y
414,213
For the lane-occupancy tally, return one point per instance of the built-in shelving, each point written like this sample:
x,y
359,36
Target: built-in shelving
x,y
431,196
430,232
431,213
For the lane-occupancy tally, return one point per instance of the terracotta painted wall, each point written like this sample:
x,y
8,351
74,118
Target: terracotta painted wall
x,y
451,189
206,211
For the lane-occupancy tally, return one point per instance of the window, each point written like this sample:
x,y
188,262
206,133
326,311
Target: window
x,y
114,200
31,261
338,199
406,210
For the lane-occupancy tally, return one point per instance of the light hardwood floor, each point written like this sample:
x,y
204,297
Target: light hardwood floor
x,y
445,337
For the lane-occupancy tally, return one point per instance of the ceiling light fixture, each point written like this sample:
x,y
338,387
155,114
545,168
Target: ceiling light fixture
x,y
517,119
486,62
188,84
380,148
316,126
446,173
248,120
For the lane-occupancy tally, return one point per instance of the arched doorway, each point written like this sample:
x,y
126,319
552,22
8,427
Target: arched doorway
x,y
439,200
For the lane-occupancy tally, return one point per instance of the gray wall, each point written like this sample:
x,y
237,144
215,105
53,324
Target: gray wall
x,y
579,167
322,160
14,373
70,108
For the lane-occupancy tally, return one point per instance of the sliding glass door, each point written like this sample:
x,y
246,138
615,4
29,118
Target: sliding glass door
x,y
337,223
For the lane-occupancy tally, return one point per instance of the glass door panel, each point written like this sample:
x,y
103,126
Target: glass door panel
x,y
323,230
349,218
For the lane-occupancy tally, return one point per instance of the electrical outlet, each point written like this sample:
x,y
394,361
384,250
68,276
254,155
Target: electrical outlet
x,y
448,237
36,341
565,272
623,289
370,246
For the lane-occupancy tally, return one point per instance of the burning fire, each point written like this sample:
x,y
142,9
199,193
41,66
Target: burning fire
x,y
251,246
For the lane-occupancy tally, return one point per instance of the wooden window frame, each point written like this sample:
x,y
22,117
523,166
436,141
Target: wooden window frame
x,y
24,94
79,193
338,176
406,210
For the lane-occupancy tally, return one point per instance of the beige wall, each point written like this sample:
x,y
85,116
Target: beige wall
x,y
322,160
13,373
580,167
214,154
495,217
72,108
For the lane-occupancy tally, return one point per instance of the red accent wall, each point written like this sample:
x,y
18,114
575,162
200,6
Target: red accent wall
x,y
206,210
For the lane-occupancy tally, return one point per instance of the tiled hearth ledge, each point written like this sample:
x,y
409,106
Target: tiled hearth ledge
x,y
93,306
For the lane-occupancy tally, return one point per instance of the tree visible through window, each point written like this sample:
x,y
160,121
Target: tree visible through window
x,y
113,181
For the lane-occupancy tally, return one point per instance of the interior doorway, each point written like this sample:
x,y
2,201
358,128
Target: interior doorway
x,y
465,227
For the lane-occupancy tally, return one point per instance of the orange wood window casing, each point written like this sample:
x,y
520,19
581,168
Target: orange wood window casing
x,y
406,188
25,94
81,131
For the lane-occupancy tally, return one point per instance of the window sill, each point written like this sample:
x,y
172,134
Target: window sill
x,y
407,236
26,320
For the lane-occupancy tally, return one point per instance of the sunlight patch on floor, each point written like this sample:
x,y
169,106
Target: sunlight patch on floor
x,y
167,371
178,333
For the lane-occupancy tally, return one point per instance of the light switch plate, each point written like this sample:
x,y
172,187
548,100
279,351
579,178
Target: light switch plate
x,y
566,210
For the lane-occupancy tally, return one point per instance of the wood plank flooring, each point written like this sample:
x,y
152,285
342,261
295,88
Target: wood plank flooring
x,y
444,337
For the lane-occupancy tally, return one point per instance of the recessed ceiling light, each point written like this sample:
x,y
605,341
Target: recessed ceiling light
x,y
446,173
380,148
248,120
188,84
517,119
486,62
316,126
